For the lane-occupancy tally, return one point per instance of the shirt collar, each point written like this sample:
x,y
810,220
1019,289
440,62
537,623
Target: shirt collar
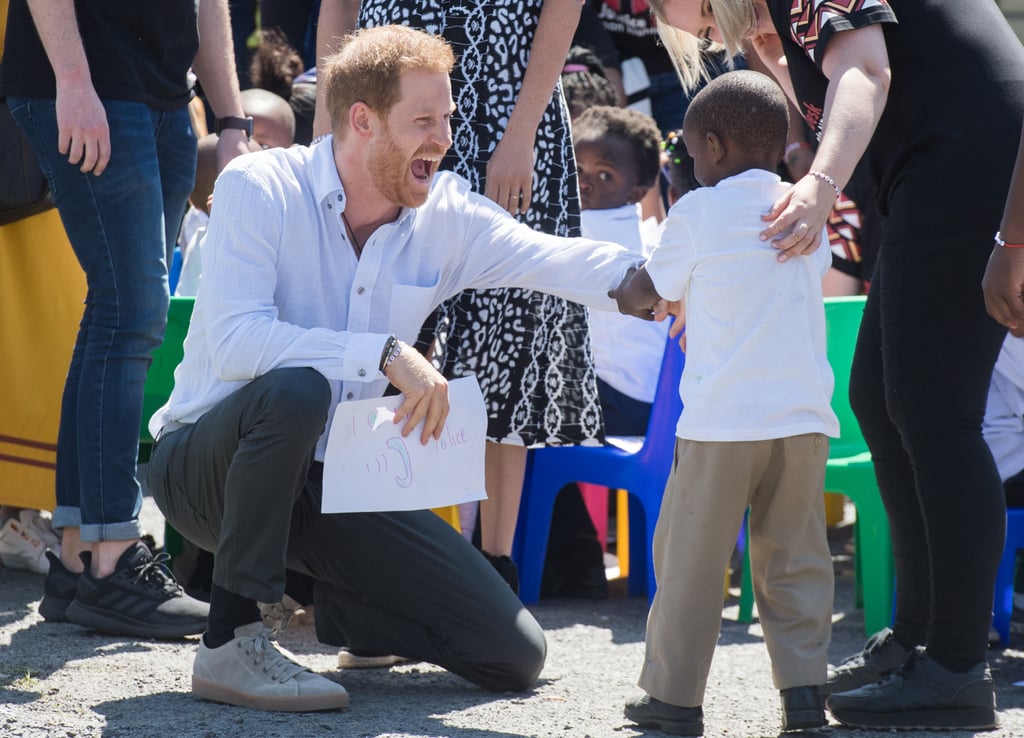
x,y
327,186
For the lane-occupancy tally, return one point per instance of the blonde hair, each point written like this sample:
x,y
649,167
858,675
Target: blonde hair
x,y
735,20
369,65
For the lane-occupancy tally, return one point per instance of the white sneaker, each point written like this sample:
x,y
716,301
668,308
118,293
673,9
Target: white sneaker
x,y
24,540
349,660
277,615
250,671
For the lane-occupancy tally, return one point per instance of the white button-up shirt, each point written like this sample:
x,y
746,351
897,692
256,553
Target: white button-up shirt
x,y
282,287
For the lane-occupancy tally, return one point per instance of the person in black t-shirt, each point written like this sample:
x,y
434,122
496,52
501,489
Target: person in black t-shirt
x,y
101,91
924,98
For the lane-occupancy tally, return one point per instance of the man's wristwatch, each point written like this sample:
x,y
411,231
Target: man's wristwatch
x,y
243,124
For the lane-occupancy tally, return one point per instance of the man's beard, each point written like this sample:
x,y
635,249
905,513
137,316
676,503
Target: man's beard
x,y
390,172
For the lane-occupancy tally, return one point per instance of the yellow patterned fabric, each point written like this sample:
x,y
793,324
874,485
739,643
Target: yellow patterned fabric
x,y
42,291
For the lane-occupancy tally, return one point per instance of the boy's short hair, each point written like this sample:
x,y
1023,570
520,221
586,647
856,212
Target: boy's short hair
x,y
260,103
585,83
745,107
636,129
369,65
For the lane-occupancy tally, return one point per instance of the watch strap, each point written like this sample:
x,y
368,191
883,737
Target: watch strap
x,y
233,121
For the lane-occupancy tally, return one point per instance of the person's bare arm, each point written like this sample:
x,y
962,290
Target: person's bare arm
x,y
857,66
337,18
510,168
82,131
1003,282
215,66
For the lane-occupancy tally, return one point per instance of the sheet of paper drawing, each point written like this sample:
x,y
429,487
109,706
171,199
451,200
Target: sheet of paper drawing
x,y
369,466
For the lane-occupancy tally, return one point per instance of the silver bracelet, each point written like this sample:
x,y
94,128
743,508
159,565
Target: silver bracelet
x,y
827,180
392,355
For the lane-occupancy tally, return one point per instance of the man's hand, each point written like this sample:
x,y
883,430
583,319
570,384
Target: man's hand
x,y
425,392
83,134
1003,284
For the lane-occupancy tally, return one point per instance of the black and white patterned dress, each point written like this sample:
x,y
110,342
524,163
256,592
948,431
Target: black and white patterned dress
x,y
530,351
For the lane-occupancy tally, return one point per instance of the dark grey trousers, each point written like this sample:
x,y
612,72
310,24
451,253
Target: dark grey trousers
x,y
241,482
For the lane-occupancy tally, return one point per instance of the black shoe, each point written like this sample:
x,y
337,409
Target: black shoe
x,y
802,708
922,695
881,656
506,567
59,590
140,599
648,712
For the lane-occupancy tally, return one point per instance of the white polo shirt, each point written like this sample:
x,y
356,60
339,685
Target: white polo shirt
x,y
756,366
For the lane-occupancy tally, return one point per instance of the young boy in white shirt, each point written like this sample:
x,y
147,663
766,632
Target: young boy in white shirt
x,y
754,431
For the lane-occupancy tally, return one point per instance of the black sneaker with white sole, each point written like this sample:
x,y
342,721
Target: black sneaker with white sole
x,y
141,598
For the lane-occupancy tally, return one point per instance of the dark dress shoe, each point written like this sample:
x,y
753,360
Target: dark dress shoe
x,y
648,712
802,708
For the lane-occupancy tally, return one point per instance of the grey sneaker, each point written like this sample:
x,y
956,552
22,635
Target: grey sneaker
x,y
922,695
648,712
881,656
277,615
250,671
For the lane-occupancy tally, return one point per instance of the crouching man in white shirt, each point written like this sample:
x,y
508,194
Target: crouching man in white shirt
x,y
320,263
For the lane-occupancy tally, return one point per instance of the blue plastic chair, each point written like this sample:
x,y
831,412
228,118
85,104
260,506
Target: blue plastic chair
x,y
1003,605
640,466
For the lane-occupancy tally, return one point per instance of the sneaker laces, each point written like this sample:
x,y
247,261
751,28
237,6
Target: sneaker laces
x,y
272,662
155,574
875,643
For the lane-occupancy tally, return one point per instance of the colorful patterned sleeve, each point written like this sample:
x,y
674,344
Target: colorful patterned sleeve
x,y
812,22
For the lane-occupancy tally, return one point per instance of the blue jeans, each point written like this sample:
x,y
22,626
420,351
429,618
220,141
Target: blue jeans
x,y
119,225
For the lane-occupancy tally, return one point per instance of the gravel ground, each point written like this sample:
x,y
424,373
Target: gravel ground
x,y
62,680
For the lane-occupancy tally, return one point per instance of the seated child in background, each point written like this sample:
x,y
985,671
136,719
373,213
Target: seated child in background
x,y
677,167
585,83
617,159
273,120
273,125
754,431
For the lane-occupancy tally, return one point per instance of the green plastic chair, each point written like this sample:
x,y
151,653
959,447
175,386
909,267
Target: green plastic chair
x,y
850,472
160,378
160,382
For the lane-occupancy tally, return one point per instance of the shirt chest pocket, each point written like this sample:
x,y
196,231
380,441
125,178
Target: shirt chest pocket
x,y
410,306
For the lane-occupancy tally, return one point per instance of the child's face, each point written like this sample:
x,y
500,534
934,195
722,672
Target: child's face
x,y
608,174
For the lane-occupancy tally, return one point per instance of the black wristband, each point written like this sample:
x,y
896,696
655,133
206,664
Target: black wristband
x,y
242,124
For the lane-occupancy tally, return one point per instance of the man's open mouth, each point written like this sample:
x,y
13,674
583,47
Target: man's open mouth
x,y
423,169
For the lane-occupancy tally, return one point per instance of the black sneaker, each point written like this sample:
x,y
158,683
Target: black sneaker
x,y
59,590
140,599
506,567
922,695
648,712
881,656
